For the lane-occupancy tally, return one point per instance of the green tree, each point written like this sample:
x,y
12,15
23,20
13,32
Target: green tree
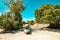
x,y
31,22
13,19
48,13
16,8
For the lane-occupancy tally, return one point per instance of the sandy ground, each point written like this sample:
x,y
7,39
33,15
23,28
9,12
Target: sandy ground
x,y
36,35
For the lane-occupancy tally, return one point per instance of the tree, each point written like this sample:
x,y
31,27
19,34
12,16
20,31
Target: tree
x,y
13,19
8,22
50,14
31,22
16,8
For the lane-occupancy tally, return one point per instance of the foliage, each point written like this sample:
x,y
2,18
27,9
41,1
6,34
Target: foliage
x,y
16,8
8,22
31,22
48,13
12,20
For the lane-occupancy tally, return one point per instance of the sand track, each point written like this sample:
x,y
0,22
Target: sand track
x,y
37,35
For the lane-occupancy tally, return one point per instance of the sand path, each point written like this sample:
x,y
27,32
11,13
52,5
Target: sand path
x,y
37,35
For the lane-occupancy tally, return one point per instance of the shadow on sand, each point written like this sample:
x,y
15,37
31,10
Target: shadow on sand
x,y
32,30
53,30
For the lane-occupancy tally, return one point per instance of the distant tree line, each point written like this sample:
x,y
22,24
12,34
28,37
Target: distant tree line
x,y
31,22
48,13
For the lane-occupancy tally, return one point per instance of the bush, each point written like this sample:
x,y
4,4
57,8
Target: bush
x,y
31,22
8,22
50,14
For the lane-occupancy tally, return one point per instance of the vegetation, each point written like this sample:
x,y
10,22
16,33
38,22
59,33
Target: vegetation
x,y
12,20
50,14
31,22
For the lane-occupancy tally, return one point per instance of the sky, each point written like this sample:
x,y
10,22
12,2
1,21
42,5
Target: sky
x,y
32,5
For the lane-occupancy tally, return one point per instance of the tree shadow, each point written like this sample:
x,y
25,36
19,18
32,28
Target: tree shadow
x,y
52,30
12,31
